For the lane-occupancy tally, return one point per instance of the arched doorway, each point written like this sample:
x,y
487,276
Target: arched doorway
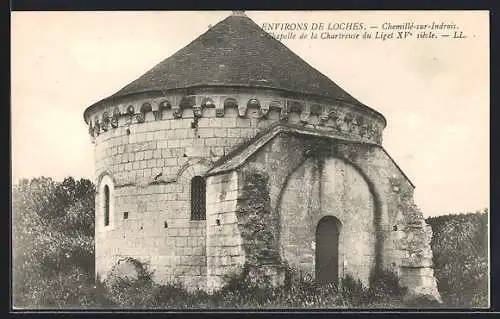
x,y
338,189
327,250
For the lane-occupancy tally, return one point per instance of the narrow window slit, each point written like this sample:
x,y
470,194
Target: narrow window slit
x,y
106,205
198,197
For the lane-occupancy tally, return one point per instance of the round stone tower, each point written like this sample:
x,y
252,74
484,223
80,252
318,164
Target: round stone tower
x,y
195,115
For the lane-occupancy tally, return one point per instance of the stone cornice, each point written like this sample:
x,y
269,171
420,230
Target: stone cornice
x,y
98,106
338,117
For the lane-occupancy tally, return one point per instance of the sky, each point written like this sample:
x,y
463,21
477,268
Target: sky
x,y
433,92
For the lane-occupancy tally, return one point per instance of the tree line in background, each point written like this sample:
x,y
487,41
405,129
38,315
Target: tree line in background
x,y
460,248
53,263
53,243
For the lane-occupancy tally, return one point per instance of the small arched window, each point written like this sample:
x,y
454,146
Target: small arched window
x,y
106,205
105,214
198,196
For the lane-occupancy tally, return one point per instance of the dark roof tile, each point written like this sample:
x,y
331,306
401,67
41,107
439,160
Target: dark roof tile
x,y
236,52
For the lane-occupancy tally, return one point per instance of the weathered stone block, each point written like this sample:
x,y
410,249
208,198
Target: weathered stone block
x,y
220,132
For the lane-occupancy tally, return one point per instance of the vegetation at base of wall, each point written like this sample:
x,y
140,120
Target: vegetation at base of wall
x,y
460,249
53,264
299,292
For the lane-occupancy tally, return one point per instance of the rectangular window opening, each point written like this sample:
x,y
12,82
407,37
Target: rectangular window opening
x,y
198,198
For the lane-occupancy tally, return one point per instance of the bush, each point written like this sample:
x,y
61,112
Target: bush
x,y
460,248
53,243
301,291
71,289
385,287
131,292
174,295
142,292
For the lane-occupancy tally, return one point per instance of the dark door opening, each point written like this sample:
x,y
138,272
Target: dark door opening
x,y
327,250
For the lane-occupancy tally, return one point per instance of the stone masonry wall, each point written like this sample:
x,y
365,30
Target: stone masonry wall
x,y
151,157
329,187
158,229
225,254
242,230
173,245
386,182
151,162
151,146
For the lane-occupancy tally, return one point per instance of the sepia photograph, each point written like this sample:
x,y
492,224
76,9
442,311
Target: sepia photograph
x,y
251,160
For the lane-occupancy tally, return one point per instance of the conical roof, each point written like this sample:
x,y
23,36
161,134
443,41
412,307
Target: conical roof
x,y
236,52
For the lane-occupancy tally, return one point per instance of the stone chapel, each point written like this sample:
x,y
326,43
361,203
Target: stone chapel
x,y
233,153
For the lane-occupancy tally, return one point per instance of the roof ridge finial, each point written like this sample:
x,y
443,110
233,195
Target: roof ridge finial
x,y
239,13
